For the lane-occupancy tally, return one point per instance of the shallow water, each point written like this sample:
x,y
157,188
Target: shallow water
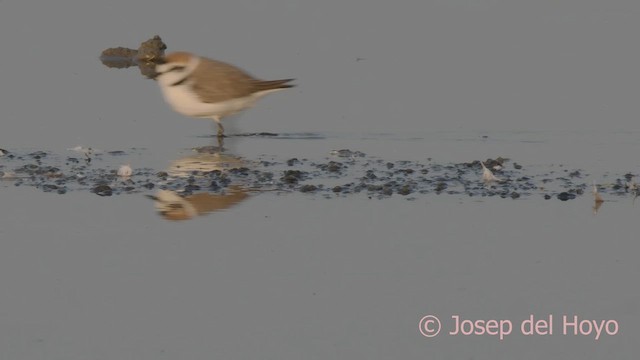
x,y
276,273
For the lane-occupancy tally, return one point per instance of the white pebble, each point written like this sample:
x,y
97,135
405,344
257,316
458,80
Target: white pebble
x,y
125,171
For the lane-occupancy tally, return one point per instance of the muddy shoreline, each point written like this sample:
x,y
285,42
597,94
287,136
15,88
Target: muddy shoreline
x,y
342,173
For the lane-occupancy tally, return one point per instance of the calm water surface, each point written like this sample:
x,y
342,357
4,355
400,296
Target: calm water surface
x,y
299,276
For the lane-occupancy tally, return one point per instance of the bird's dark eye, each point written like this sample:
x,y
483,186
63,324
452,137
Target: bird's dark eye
x,y
177,68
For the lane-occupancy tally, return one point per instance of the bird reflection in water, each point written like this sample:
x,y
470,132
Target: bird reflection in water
x,y
174,206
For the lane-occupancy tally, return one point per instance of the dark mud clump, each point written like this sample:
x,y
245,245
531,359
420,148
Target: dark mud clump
x,y
121,53
151,50
144,57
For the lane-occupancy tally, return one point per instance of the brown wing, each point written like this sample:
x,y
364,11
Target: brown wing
x,y
218,81
262,85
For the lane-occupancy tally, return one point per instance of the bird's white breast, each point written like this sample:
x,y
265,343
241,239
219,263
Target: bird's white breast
x,y
183,100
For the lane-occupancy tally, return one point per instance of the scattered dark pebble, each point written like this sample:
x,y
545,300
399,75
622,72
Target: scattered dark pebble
x,y
191,188
564,196
405,190
308,188
103,190
49,187
293,176
242,171
38,154
215,173
371,175
264,177
348,153
440,187
374,188
493,163
405,171
332,166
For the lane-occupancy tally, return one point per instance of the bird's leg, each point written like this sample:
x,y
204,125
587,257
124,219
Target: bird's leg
x,y
220,143
220,127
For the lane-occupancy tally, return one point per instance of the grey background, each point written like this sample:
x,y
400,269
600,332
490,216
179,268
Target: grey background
x,y
293,276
